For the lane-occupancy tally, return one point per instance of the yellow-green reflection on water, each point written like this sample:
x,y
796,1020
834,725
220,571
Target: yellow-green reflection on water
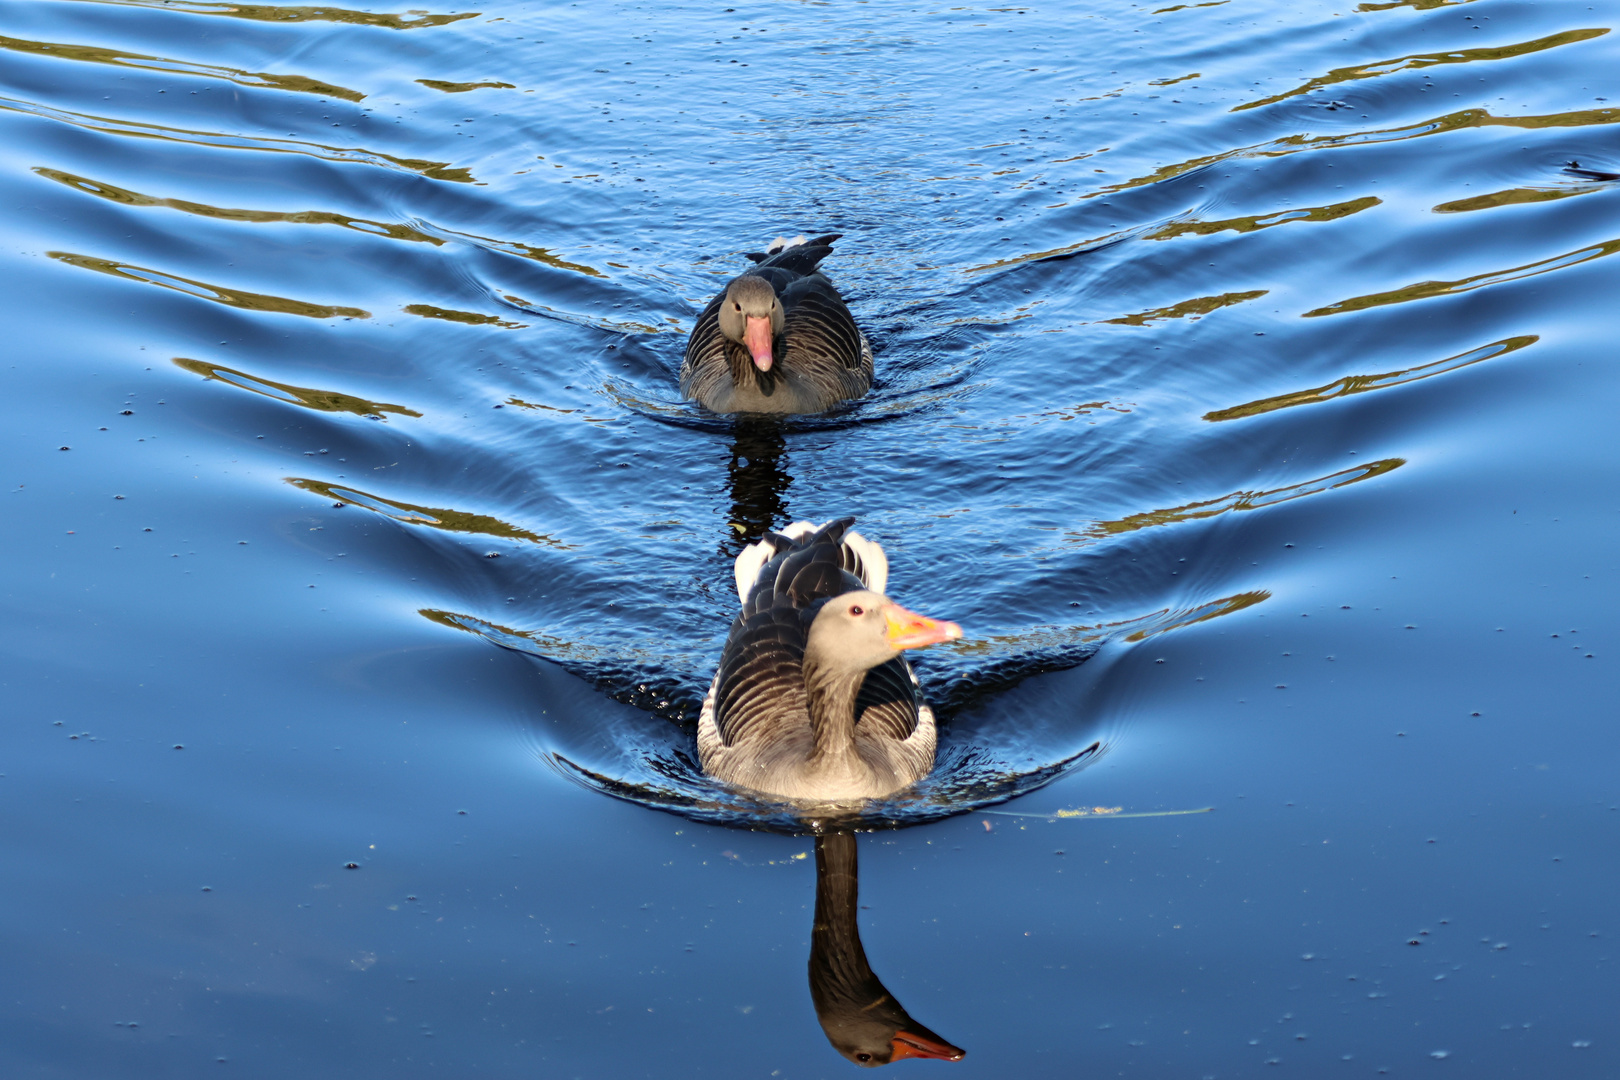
x,y
1423,60
1066,639
1254,223
463,87
219,294
1513,196
1419,5
1196,307
521,404
1187,227
471,318
117,57
1214,609
448,520
1425,290
321,400
275,13
433,170
527,251
116,194
531,641
1050,253
1240,500
438,237
1360,384
1294,144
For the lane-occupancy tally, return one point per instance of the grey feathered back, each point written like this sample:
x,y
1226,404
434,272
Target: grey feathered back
x,y
761,673
819,359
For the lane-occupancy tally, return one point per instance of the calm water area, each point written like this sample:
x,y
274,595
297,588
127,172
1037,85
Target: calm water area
x,y
1243,375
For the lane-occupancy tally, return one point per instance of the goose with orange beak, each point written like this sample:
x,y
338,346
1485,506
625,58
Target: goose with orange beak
x,y
814,700
778,339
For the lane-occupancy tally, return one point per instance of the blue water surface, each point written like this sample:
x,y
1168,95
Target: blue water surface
x,y
1246,390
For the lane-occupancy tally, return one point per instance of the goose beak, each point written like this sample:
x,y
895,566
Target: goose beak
x,y
908,630
909,1044
757,336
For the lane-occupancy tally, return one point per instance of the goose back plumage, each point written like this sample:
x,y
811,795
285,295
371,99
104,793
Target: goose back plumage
x,y
820,357
755,727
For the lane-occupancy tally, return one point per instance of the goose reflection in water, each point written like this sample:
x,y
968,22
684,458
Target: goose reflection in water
x,y
758,481
861,1018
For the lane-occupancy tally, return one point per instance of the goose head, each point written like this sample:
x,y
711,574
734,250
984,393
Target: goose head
x,y
857,631
751,315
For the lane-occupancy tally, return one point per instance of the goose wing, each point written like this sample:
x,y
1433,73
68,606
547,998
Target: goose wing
x,y
820,334
782,580
705,362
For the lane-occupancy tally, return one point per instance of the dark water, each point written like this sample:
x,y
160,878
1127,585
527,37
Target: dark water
x,y
1246,390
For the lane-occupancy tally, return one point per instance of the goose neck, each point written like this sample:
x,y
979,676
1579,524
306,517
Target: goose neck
x,y
830,696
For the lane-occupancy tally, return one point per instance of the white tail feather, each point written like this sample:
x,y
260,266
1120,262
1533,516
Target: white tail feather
x,y
782,244
752,559
874,564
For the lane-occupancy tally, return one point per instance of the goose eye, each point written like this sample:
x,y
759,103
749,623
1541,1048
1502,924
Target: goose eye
x,y
863,1057
736,305
856,609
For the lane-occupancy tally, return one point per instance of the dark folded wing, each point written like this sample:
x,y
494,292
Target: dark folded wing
x,y
887,704
761,668
819,329
705,352
761,672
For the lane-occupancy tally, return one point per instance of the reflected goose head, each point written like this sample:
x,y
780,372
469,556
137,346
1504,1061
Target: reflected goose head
x,y
751,315
875,1042
857,631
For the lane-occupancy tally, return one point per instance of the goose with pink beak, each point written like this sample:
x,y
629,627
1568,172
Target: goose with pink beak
x,y
778,339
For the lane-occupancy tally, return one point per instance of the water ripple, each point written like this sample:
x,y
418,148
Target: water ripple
x,y
278,13
319,400
459,521
1361,384
1423,60
433,170
1427,290
219,294
118,58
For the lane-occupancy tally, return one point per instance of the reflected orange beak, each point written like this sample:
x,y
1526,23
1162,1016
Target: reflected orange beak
x,y
909,1044
908,630
757,336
